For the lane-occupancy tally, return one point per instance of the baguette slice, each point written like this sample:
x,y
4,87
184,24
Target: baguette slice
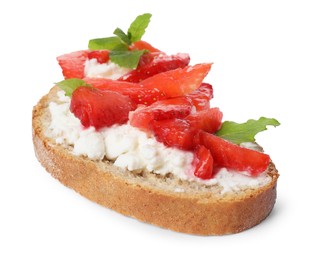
x,y
198,209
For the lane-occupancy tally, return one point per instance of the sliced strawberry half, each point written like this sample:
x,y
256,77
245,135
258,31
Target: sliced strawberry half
x,y
146,59
203,163
102,56
73,64
154,63
178,82
138,93
209,120
181,133
143,118
175,133
100,108
232,156
201,97
143,45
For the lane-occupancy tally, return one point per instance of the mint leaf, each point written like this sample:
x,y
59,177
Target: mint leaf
x,y
109,43
122,35
126,59
245,132
70,85
119,44
138,27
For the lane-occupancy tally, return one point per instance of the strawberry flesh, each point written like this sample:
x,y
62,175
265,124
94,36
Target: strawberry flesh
x,y
182,132
102,56
232,156
100,108
178,107
143,45
208,120
161,118
201,97
179,81
72,64
175,133
203,163
154,63
137,93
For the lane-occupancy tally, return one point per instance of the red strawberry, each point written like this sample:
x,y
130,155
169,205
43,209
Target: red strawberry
x,y
155,63
232,156
178,82
146,59
202,163
175,133
181,132
142,45
100,108
208,120
200,97
102,56
138,93
178,107
73,64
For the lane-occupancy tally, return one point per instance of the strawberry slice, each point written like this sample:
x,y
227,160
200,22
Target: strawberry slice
x,y
178,107
175,133
147,58
201,97
178,82
102,56
100,108
181,133
142,45
208,120
154,63
203,163
234,157
138,93
72,64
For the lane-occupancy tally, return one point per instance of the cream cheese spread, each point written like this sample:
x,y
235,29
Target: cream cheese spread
x,y
129,148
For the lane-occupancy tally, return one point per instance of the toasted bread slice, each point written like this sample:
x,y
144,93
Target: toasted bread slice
x,y
199,209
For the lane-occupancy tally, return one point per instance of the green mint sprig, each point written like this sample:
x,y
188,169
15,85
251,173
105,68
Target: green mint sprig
x,y
70,85
110,43
245,132
119,44
138,27
126,59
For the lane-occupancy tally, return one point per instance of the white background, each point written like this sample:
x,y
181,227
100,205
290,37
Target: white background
x,y
261,54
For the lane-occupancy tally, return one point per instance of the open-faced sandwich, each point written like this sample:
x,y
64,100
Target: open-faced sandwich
x,y
132,128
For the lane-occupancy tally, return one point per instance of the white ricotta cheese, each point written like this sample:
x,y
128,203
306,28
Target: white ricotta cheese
x,y
234,181
109,70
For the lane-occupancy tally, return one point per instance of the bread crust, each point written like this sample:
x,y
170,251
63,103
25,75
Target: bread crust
x,y
194,213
